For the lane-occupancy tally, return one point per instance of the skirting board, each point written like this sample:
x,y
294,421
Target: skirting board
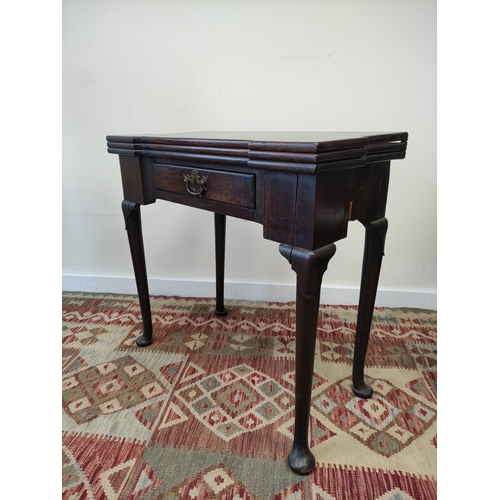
x,y
268,292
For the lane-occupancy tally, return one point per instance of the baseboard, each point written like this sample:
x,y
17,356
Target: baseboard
x,y
269,292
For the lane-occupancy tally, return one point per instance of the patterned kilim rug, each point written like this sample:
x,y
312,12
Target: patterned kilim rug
x,y
206,411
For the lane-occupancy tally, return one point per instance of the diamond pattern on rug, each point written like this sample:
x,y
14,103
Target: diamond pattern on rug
x,y
206,411
239,406
235,401
408,355
387,422
214,483
108,388
80,335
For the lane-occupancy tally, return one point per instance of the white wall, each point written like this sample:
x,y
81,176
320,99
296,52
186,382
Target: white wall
x,y
173,66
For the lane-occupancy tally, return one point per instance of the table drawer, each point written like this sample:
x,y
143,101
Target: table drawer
x,y
216,185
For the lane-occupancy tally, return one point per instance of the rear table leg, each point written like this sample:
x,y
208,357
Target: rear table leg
x,y
375,233
220,250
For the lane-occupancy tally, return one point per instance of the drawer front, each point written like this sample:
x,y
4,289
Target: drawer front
x,y
216,185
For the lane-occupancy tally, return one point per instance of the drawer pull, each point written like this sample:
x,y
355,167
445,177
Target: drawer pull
x,y
194,179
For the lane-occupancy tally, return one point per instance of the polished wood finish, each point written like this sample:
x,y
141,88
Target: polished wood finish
x,y
309,267
226,187
375,233
303,188
132,215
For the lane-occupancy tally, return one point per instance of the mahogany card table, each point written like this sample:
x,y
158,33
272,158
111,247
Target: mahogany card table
x,y
303,187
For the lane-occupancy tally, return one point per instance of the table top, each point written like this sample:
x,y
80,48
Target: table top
x,y
267,150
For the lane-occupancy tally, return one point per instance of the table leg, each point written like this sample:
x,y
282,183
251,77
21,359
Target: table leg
x,y
375,233
309,267
132,215
220,252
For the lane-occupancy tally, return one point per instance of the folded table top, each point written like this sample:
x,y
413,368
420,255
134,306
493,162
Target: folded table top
x,y
309,152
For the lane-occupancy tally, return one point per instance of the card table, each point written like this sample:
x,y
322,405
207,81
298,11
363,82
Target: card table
x,y
303,187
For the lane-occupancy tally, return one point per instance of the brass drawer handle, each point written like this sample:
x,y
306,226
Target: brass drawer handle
x,y
194,179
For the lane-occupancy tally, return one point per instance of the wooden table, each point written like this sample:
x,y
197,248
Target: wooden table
x,y
303,188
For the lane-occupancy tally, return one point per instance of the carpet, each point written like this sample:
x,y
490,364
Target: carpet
x,y
206,411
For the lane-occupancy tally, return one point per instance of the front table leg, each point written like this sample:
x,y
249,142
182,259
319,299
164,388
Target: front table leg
x,y
132,215
375,233
309,267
